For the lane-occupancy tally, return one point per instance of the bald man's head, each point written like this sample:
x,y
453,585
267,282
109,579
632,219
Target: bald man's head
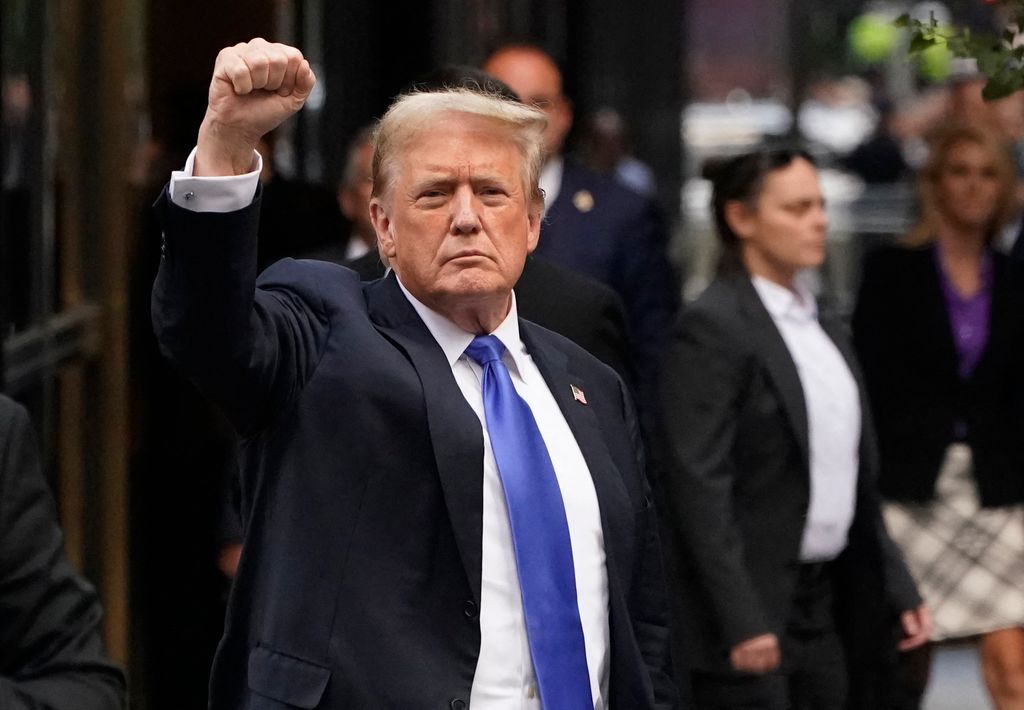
x,y
535,78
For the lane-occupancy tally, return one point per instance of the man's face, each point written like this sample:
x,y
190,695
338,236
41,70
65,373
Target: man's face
x,y
457,223
537,82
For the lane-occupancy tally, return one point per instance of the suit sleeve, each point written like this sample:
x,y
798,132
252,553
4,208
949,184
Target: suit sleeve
x,y
51,654
249,349
648,600
701,391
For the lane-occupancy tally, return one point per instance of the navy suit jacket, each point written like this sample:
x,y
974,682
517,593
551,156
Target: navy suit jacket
x,y
601,229
362,482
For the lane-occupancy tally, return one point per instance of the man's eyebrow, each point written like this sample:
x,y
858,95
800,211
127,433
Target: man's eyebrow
x,y
438,175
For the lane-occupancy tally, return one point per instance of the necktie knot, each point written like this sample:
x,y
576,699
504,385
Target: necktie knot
x,y
485,349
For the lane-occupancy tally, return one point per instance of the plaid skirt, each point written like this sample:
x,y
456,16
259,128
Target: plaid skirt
x,y
968,561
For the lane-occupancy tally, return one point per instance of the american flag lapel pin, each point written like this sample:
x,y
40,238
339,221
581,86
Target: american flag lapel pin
x,y
578,395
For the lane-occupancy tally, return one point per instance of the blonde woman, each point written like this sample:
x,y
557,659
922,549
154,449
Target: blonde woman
x,y
939,328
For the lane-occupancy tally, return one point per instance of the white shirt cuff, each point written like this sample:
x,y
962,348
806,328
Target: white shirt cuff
x,y
226,193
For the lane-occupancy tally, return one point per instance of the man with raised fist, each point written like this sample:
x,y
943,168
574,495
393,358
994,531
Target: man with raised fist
x,y
443,504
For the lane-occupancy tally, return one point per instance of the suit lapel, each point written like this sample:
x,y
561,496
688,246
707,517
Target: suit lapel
x,y
454,428
613,500
772,350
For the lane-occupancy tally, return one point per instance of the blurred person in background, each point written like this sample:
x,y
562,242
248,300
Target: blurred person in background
x,y
606,149
939,328
353,198
786,588
879,159
592,224
286,202
51,653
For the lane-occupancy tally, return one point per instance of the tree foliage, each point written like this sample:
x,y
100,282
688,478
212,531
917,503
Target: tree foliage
x,y
999,57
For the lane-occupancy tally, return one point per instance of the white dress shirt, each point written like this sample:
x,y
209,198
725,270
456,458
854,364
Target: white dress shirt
x,y
504,677
833,417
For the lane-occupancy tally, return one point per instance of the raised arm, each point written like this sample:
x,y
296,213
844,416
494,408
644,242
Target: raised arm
x,y
249,349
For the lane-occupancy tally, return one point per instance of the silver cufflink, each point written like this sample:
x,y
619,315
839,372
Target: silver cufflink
x,y
189,195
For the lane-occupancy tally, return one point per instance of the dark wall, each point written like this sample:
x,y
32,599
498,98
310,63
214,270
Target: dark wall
x,y
183,40
371,51
612,53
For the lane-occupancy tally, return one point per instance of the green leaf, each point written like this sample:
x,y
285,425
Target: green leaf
x,y
919,43
1002,84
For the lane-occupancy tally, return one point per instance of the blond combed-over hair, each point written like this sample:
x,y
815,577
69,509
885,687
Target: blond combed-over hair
x,y
417,111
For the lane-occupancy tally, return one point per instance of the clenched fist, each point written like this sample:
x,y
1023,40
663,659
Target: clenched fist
x,y
256,86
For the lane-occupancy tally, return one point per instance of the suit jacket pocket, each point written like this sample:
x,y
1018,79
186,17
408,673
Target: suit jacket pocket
x,y
292,682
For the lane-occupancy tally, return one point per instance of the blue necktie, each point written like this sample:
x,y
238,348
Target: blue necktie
x,y
540,535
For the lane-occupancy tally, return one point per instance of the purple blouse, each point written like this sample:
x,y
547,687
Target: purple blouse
x,y
968,316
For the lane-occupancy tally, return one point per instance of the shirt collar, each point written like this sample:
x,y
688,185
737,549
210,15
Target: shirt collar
x,y
796,304
454,340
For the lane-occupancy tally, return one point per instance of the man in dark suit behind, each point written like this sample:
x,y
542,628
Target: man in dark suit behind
x,y
386,575
592,224
51,654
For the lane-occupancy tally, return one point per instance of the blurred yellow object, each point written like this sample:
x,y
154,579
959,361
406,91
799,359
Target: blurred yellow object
x,y
872,37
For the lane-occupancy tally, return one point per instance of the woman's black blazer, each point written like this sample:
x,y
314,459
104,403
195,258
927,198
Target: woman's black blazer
x,y
905,343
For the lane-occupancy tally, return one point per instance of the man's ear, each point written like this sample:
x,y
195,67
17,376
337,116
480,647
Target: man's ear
x,y
739,218
533,238
382,226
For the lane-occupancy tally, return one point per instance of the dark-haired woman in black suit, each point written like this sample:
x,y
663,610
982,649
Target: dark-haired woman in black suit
x,y
786,588
939,328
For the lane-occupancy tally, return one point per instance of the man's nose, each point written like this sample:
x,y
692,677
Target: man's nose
x,y
465,211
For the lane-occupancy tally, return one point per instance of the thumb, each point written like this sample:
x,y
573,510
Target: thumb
x,y
305,80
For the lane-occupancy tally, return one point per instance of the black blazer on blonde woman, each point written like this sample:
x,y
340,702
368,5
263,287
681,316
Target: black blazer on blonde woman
x,y
905,343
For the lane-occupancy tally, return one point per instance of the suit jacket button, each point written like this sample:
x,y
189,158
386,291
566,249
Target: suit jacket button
x,y
471,610
457,704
